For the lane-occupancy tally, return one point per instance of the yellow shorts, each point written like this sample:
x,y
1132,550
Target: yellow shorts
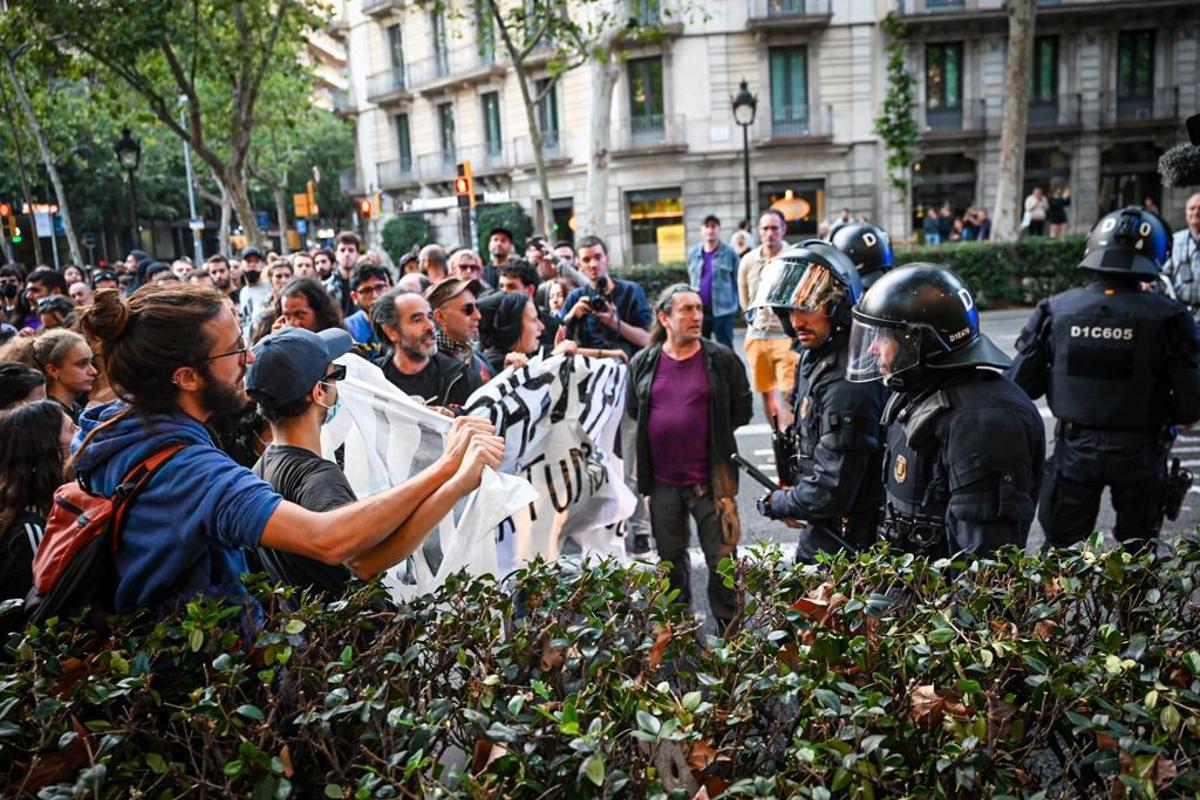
x,y
772,364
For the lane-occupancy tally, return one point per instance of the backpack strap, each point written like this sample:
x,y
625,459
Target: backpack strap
x,y
136,478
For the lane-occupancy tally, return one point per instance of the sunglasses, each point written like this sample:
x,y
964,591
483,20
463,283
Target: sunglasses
x,y
338,373
469,308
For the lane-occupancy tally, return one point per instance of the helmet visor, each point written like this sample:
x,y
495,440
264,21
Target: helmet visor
x,y
881,351
796,283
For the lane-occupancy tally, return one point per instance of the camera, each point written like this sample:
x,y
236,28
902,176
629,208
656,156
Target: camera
x,y
596,299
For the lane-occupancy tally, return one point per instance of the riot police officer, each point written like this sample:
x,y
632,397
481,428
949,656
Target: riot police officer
x,y
965,445
836,450
869,247
1118,366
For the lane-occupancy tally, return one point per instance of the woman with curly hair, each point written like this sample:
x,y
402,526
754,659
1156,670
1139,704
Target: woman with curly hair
x,y
36,440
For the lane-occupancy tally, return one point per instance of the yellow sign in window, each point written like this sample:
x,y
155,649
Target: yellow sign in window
x,y
671,246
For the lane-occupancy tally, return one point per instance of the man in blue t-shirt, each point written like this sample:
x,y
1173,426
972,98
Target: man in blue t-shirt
x,y
177,354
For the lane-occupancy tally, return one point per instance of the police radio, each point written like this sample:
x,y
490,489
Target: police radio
x,y
1179,481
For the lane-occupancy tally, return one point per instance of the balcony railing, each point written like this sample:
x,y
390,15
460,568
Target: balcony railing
x,y
971,116
1063,111
376,6
435,167
788,10
488,157
1159,105
554,148
446,66
651,131
395,173
793,122
342,104
389,83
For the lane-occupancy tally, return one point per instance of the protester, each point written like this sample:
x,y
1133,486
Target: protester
x,y
769,352
349,250
550,268
42,282
65,358
304,303
687,395
55,311
178,357
80,294
565,253
456,313
255,292
556,296
218,269
520,277
13,302
712,270
466,265
500,249
742,239
509,329
280,273
35,438
105,279
414,282
200,277
367,283
158,274
72,274
414,365
432,262
302,265
20,383
181,268
409,263
323,261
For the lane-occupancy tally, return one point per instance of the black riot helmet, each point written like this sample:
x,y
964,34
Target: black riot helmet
x,y
917,317
806,277
1132,241
869,247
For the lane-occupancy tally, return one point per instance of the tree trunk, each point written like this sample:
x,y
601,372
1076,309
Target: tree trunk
x,y
281,215
604,73
1006,214
48,160
237,189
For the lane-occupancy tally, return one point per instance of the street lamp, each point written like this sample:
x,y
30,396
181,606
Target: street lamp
x,y
129,153
744,107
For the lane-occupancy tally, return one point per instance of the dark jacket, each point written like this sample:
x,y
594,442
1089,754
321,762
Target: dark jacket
x,y
839,445
730,406
455,380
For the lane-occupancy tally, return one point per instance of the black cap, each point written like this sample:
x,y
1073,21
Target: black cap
x,y
501,229
713,219
287,364
251,251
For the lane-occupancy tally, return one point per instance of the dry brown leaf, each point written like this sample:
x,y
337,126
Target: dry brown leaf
x,y
872,626
483,747
1052,588
1045,629
659,648
716,786
551,657
73,671
1004,630
926,706
1163,772
1105,741
700,755
285,758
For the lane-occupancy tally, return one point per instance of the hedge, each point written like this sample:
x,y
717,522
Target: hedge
x,y
1017,273
404,232
1074,672
503,215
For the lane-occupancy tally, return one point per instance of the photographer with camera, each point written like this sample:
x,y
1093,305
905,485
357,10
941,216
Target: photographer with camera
x,y
610,312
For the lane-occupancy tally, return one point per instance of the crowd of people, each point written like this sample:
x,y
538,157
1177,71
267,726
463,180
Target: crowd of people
x,y
863,369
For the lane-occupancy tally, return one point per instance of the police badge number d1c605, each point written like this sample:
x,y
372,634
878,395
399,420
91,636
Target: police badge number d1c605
x,y
804,407
900,469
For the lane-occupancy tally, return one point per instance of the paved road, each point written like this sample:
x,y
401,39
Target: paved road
x,y
754,442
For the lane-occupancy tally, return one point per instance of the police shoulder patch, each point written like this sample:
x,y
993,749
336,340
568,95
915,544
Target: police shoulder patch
x,y
900,469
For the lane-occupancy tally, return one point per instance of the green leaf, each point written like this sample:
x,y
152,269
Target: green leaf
x,y
1170,719
1191,660
691,700
295,626
942,635
251,712
593,768
648,722
829,699
156,763
333,790
196,639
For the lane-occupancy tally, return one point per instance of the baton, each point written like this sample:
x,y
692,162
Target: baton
x,y
754,472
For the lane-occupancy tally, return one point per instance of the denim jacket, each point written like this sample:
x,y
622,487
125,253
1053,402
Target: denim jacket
x,y
724,285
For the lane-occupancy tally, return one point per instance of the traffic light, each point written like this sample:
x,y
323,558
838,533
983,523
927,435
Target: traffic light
x,y
5,210
364,208
9,221
464,186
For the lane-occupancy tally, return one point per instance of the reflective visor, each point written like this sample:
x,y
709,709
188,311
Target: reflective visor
x,y
795,283
879,351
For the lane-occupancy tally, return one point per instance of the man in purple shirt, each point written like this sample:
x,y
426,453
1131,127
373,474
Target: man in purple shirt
x,y
688,394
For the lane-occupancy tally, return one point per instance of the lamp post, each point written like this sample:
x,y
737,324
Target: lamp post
x,y
744,107
129,153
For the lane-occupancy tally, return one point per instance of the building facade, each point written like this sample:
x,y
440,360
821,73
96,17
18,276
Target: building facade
x,y
1112,81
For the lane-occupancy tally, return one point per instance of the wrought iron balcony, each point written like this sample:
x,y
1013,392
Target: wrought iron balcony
x,y
1155,105
554,149
389,85
788,14
652,131
774,123
1063,111
395,173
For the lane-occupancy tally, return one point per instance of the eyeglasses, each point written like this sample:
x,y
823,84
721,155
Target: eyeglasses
x,y
337,374
374,288
241,351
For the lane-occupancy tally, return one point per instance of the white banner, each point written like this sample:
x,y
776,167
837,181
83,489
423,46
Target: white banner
x,y
559,417
388,437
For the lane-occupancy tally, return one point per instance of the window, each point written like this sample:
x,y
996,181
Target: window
x,y
1043,77
789,91
547,113
404,142
437,22
656,222
801,201
646,12
943,85
646,100
486,32
491,123
446,131
1135,70
396,49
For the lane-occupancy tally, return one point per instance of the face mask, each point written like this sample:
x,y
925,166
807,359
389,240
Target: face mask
x,y
252,275
331,411
9,290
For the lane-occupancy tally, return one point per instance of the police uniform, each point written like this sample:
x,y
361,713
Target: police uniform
x,y
965,446
838,453
1118,368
